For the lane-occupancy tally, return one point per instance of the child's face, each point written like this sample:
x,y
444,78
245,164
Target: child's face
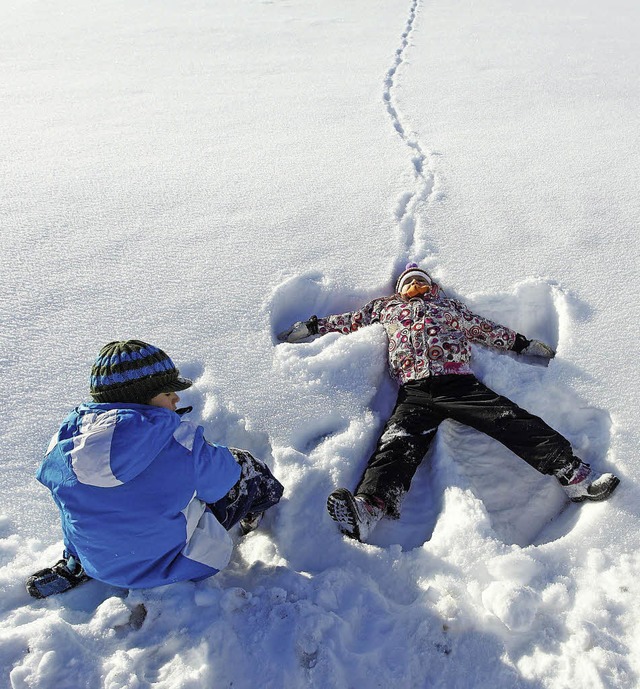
x,y
168,400
414,287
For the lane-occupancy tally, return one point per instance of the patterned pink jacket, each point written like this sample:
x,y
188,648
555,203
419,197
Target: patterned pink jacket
x,y
428,335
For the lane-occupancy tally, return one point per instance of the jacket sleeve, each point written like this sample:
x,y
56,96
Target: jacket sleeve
x,y
216,471
484,331
353,320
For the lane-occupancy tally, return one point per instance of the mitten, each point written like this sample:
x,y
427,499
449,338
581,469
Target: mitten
x,y
532,348
537,348
300,330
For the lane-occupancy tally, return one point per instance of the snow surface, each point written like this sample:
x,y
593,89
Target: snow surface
x,y
199,174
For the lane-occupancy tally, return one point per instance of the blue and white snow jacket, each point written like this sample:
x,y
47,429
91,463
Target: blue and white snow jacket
x,y
131,482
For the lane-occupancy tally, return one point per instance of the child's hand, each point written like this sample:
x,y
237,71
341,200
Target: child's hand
x,y
540,349
299,331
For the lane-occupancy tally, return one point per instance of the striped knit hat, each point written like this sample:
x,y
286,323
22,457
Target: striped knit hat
x,y
133,371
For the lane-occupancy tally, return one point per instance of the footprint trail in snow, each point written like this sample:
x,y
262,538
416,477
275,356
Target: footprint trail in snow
x,y
410,202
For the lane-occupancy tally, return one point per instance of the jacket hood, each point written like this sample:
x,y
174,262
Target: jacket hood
x,y
112,443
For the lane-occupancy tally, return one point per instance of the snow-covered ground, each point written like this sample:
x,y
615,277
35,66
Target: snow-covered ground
x,y
199,174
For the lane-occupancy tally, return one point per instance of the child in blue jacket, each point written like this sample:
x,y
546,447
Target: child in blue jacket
x,y
144,499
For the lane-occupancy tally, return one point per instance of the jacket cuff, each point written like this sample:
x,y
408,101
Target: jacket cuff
x,y
312,325
520,343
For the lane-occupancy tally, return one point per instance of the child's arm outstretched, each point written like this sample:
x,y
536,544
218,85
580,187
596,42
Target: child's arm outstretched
x,y
338,323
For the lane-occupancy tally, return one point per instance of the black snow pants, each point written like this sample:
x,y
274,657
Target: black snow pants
x,y
255,491
423,404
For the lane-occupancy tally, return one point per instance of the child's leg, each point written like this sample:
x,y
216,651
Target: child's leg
x,y
467,400
256,491
401,447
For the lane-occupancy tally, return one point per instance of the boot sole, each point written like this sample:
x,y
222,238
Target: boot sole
x,y
250,523
612,485
342,507
51,581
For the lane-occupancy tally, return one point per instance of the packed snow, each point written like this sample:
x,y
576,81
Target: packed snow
x,y
199,175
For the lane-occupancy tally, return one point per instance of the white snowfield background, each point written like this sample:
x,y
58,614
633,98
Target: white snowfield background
x,y
200,174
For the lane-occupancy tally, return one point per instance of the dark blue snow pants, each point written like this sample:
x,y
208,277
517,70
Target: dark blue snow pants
x,y
255,491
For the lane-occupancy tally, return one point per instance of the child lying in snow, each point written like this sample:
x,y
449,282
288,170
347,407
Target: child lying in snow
x,y
428,336
144,498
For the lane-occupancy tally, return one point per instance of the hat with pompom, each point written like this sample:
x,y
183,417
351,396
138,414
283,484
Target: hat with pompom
x,y
133,371
411,271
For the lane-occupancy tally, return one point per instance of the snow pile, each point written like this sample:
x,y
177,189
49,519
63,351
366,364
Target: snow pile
x,y
200,175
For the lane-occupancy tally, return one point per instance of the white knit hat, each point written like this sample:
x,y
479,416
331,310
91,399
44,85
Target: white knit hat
x,y
411,271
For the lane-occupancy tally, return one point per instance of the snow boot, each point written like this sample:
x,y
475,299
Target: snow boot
x,y
250,522
581,483
64,575
356,516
